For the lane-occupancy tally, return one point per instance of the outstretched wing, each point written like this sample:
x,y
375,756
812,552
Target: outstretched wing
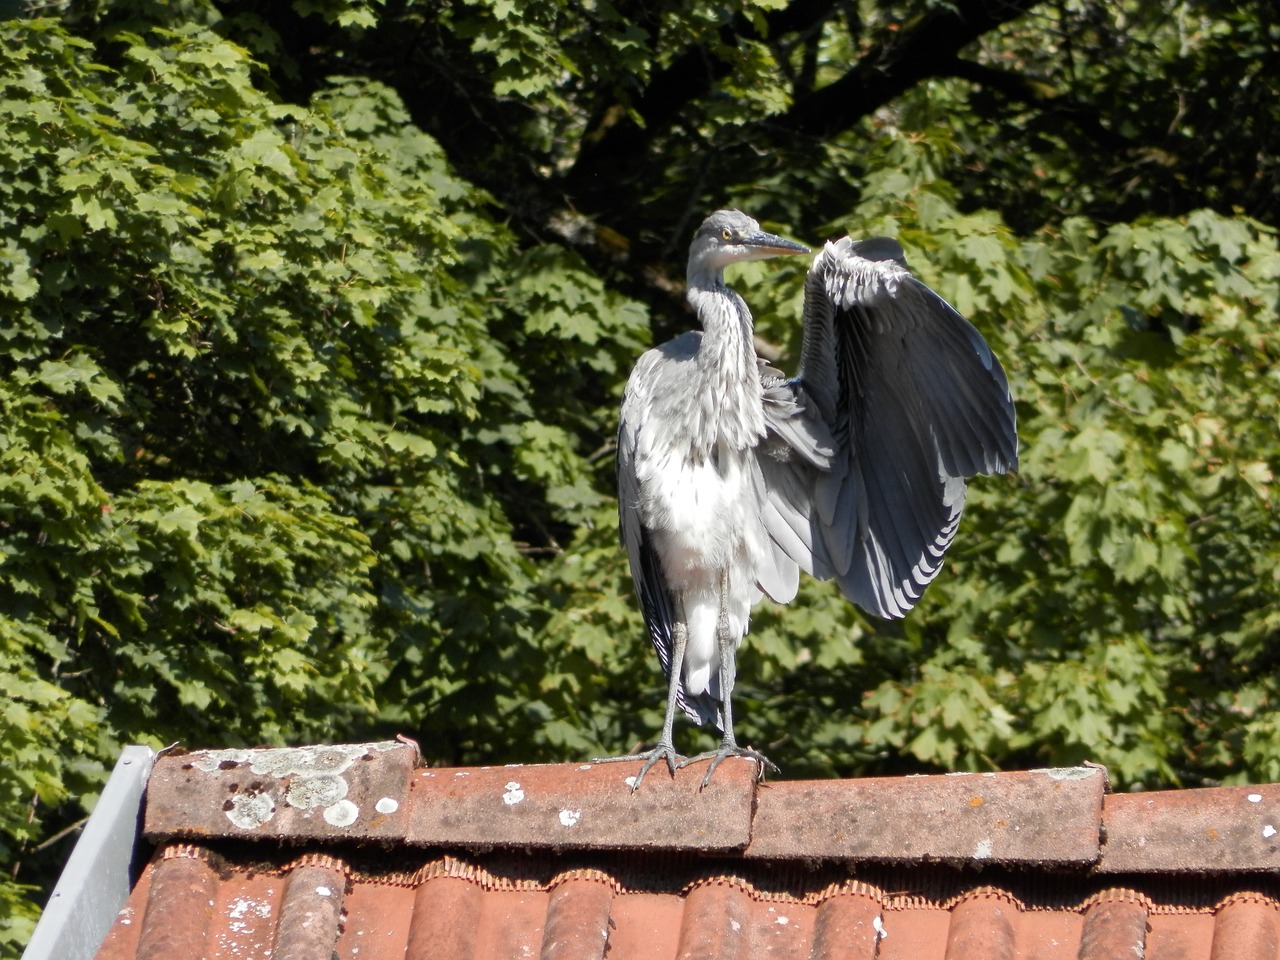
x,y
656,601
913,400
797,448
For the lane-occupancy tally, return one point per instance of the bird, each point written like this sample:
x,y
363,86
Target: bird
x,y
733,478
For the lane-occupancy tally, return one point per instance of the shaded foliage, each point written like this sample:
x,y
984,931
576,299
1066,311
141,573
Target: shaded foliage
x,y
316,316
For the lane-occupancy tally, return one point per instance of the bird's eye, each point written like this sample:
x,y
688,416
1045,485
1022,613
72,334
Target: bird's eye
x,y
726,234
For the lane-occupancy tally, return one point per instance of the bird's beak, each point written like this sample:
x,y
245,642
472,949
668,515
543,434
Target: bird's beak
x,y
771,245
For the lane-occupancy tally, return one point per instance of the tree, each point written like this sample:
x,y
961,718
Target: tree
x,y
316,321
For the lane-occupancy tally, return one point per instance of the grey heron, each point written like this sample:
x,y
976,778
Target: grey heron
x,y
732,478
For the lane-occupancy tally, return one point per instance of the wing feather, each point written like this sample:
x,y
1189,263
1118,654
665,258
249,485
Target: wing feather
x,y
914,401
797,448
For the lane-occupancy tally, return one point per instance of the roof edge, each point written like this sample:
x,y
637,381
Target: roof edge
x,y
96,880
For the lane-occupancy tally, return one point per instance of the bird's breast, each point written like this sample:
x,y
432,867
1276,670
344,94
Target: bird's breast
x,y
703,513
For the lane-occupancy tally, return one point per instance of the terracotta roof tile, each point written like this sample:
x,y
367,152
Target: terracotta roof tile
x,y
1247,927
848,922
352,790
455,908
311,911
371,792
179,909
1210,829
1180,936
1115,925
1037,817
357,853
984,924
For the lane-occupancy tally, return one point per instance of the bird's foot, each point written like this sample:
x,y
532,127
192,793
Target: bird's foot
x,y
718,755
663,751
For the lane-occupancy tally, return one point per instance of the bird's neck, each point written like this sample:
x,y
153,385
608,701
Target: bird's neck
x,y
732,398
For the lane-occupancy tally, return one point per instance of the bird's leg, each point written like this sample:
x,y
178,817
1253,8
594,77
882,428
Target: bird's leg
x,y
665,748
728,644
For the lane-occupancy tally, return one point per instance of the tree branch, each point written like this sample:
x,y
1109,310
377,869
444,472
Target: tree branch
x,y
669,92
927,47
1044,97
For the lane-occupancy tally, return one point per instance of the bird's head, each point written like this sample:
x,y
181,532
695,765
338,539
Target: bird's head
x,y
729,236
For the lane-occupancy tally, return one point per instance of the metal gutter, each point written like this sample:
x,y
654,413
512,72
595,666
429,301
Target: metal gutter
x,y
97,879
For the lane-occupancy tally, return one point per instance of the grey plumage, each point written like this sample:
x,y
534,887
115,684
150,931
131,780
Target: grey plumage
x,y
732,478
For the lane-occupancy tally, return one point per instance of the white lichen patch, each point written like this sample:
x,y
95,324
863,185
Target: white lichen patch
x,y
209,761
878,925
242,907
306,778
1068,773
1254,798
290,761
324,892
251,810
983,850
316,791
570,817
341,814
386,805
1268,831
513,795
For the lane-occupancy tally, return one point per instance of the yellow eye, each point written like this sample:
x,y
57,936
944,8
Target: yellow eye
x,y
726,234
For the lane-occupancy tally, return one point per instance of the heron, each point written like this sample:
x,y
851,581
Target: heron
x,y
733,478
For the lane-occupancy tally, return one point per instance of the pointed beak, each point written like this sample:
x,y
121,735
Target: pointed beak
x,y
771,245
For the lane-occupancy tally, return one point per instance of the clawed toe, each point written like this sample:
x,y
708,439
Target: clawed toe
x,y
663,751
717,756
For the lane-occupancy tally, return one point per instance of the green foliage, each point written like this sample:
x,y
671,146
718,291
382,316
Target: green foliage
x,y
1113,603
1108,602
257,481
315,323
1113,110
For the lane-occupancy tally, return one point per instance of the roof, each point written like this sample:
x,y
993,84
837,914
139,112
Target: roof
x,y
359,852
